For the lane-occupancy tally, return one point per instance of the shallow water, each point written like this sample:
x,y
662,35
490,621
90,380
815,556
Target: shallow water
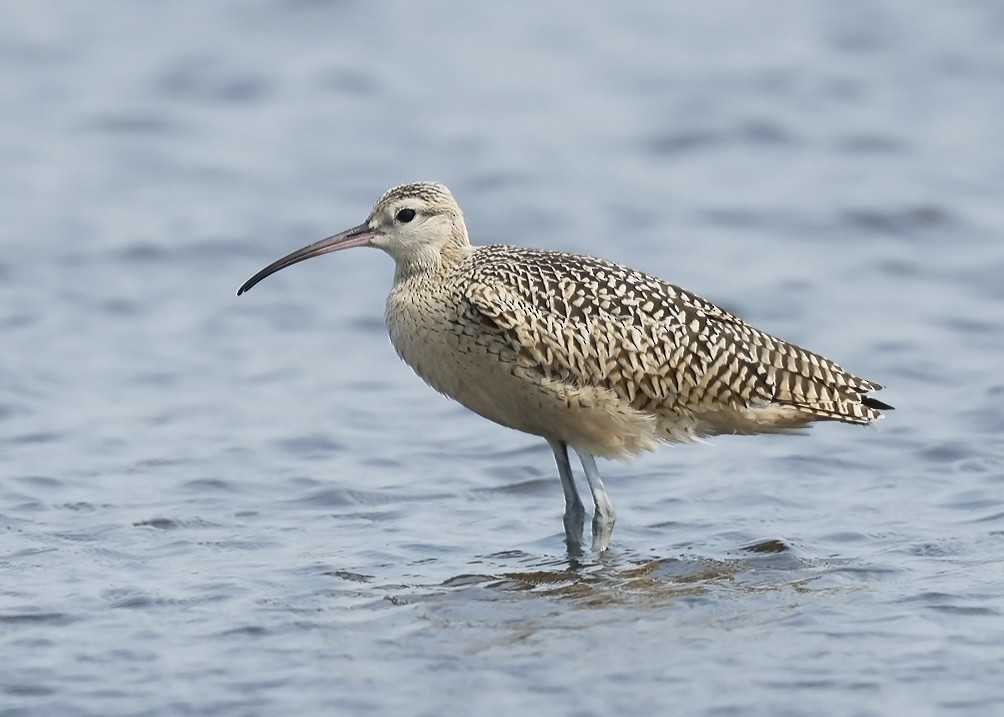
x,y
212,505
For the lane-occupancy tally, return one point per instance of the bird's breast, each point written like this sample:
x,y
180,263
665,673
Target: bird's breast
x,y
426,327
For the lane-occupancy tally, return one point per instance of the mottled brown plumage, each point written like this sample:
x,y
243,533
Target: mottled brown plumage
x,y
582,351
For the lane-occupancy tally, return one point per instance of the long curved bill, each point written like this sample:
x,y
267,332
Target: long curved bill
x,y
356,236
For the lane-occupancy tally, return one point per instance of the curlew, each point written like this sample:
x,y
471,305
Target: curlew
x,y
580,351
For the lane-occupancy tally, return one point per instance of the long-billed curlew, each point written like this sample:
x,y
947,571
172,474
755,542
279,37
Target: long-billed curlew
x,y
581,351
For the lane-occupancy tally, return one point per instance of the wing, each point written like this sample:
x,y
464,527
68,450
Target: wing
x,y
588,322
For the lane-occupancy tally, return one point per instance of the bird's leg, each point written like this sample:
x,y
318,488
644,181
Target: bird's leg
x,y
575,513
604,517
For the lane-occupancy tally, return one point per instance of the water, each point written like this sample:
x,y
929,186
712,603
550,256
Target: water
x,y
212,505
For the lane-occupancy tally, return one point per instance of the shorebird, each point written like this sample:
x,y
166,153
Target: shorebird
x,y
580,351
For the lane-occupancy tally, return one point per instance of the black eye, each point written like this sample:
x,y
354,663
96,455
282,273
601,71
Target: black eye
x,y
405,215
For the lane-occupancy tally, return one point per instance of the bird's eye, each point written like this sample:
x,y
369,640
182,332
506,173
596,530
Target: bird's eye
x,y
405,215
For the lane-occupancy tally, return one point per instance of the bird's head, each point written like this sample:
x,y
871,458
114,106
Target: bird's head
x,y
415,223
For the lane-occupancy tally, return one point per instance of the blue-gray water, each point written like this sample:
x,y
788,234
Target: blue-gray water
x,y
223,506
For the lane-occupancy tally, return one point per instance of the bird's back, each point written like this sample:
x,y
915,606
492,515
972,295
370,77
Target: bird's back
x,y
664,352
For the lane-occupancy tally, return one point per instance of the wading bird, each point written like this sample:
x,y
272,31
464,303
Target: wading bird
x,y
580,351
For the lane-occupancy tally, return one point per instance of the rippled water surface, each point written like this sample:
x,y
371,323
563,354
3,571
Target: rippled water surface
x,y
213,505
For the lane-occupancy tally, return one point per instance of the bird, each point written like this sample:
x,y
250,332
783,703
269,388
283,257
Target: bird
x,y
582,352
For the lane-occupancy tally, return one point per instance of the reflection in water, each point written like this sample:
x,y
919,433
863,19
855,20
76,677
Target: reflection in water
x,y
619,579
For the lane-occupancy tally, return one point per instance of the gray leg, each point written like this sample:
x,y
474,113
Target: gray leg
x,y
604,517
575,513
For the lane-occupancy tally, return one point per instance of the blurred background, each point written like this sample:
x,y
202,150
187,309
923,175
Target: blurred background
x,y
213,505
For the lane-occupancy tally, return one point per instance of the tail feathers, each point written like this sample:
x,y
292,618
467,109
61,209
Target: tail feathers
x,y
842,399
862,410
